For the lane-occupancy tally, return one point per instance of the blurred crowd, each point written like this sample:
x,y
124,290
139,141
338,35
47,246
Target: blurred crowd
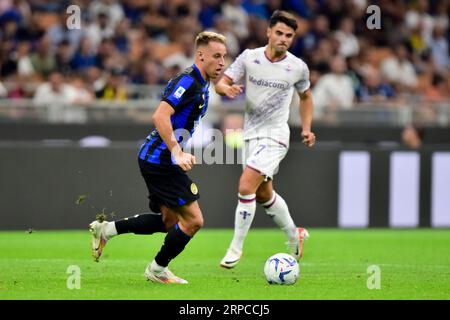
x,y
146,42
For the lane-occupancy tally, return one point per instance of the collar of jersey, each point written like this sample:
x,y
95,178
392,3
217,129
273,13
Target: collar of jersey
x,y
272,61
203,81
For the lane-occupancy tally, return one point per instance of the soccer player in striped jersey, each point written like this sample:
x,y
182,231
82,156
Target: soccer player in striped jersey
x,y
163,163
275,79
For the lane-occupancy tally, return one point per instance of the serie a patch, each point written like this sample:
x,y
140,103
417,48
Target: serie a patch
x,y
180,91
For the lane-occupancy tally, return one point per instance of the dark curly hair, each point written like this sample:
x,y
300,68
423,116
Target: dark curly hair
x,y
284,17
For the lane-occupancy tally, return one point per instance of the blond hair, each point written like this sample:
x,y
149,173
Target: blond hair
x,y
205,37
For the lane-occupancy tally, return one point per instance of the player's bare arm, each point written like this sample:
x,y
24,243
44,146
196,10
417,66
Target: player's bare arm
x,y
161,119
306,114
226,87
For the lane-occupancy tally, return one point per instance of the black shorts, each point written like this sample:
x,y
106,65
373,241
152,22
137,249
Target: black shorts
x,y
167,185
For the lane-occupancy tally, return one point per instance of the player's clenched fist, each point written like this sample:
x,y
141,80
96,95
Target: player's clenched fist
x,y
185,160
309,138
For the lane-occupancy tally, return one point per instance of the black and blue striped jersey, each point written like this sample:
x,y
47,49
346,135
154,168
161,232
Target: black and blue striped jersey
x,y
188,95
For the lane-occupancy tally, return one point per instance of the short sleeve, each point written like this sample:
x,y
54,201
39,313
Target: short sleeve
x,y
303,84
175,92
237,69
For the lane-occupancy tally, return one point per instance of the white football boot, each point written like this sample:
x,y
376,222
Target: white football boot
x,y
231,258
296,247
163,276
99,238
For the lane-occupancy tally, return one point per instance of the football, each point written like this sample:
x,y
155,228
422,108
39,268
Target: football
x,y
281,268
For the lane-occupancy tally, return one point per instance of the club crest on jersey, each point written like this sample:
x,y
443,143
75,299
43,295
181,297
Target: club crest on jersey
x,y
288,68
179,92
257,61
194,188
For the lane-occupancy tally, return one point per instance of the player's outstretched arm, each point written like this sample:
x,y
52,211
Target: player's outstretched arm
x,y
161,119
225,87
306,114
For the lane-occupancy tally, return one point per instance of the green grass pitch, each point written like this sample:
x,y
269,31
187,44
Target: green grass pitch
x,y
414,264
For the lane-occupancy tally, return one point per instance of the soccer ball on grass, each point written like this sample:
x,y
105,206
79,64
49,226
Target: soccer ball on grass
x,y
281,268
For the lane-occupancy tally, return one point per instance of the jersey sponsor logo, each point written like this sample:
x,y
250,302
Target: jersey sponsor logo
x,y
180,91
269,83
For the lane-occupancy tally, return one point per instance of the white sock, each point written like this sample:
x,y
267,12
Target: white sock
x,y
279,211
110,229
245,212
156,267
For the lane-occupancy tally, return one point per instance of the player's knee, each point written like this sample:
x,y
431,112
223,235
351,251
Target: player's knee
x,y
194,225
245,189
169,221
263,196
244,186
198,223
